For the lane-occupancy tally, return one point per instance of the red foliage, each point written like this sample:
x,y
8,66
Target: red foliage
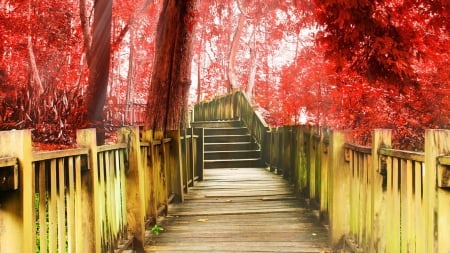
x,y
347,64
383,40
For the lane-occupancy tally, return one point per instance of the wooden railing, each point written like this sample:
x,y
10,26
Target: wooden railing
x,y
235,106
375,199
192,146
92,198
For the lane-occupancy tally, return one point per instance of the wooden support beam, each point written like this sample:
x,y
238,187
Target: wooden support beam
x,y
339,176
91,237
192,155
17,208
436,200
134,187
176,164
200,152
381,138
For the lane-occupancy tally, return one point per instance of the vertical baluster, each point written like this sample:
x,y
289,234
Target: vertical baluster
x,y
52,215
42,207
101,197
71,205
61,207
78,207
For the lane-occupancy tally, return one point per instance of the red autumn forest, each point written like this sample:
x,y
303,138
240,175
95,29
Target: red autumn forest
x,y
354,65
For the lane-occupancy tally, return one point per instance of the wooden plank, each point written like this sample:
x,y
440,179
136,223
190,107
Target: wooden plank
x,y
354,194
405,227
436,200
410,228
42,208
418,207
339,175
112,147
403,154
78,206
123,188
17,211
8,161
61,205
380,138
109,201
101,198
117,191
48,155
91,214
52,209
71,206
388,229
395,214
240,217
135,187
145,172
358,148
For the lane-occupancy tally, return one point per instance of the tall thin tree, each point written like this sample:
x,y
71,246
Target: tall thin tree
x,y
98,59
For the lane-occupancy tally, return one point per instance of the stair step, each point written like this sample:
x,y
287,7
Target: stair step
x,y
227,138
227,131
233,163
233,154
217,124
230,146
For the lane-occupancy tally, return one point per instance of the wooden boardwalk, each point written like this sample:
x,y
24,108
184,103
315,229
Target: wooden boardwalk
x,y
240,210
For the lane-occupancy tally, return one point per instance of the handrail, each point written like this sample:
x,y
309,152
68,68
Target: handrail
x,y
111,147
444,160
90,198
403,154
8,161
46,155
358,148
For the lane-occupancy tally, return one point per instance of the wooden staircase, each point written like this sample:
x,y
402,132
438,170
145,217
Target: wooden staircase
x,y
228,144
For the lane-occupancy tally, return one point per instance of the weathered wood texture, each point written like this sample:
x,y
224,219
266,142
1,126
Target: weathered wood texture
x,y
376,199
88,199
240,210
234,106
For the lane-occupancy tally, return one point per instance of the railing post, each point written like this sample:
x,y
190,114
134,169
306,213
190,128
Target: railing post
x,y
301,174
200,152
324,172
91,238
436,199
134,186
380,138
176,163
17,208
338,189
312,152
192,156
184,156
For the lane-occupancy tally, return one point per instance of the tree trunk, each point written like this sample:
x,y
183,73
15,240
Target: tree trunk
x,y
34,70
253,65
199,70
232,78
171,76
129,102
98,61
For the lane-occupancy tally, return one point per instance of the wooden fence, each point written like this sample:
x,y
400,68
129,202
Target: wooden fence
x,y
92,198
375,199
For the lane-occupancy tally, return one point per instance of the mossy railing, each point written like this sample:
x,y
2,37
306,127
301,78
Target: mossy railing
x,y
375,198
91,198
